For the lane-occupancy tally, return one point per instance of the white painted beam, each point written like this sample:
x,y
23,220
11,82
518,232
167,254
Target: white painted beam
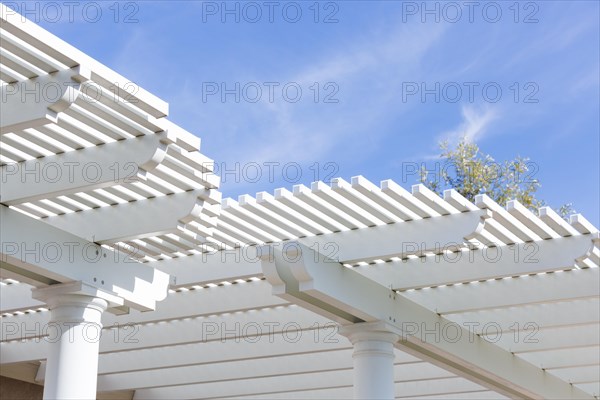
x,y
429,197
557,286
213,266
566,337
438,388
17,296
300,383
90,168
477,395
228,371
279,384
399,239
542,315
508,221
32,280
136,220
242,326
33,247
332,289
189,354
563,358
47,46
480,264
593,388
177,306
38,101
556,222
575,375
530,220
120,334
404,390
78,170
219,265
286,365
216,265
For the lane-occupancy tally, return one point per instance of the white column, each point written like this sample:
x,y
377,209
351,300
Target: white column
x,y
74,336
373,360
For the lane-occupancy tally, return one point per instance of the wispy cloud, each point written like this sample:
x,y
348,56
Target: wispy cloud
x,y
369,76
474,125
368,69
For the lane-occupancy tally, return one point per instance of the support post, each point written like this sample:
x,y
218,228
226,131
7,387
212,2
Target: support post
x,y
373,359
74,336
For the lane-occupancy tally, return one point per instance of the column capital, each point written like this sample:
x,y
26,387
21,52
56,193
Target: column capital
x,y
76,302
51,294
367,331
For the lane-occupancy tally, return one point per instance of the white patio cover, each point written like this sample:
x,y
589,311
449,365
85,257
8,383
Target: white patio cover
x,y
223,298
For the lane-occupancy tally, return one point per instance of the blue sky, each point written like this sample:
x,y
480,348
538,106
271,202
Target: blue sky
x,y
371,62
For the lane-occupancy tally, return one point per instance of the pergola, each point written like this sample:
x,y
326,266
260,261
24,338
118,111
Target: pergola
x,y
112,225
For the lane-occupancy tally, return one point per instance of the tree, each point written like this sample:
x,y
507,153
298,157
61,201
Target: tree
x,y
470,172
